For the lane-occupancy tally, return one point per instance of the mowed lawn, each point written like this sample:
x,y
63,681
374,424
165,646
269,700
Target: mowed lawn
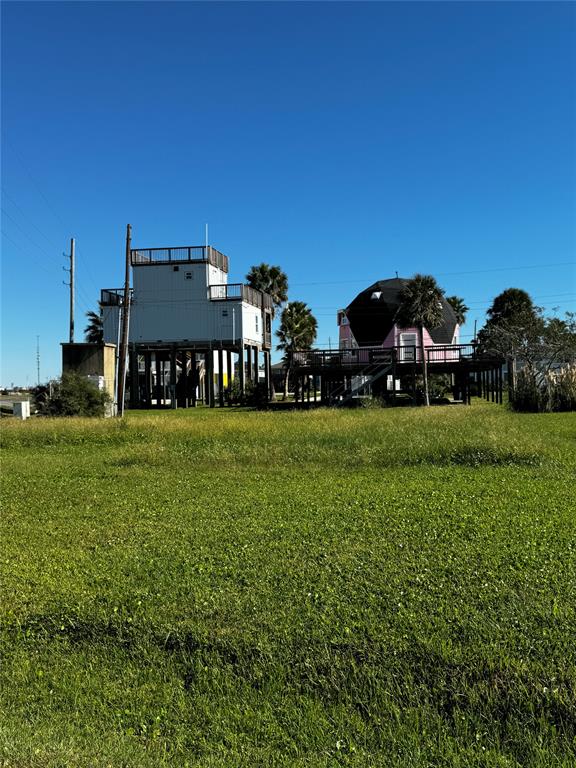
x,y
323,588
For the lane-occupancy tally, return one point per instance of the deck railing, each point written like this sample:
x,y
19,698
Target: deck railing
x,y
341,358
113,297
367,356
450,353
240,292
179,254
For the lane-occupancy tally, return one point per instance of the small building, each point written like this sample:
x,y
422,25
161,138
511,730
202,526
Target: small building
x,y
96,362
191,332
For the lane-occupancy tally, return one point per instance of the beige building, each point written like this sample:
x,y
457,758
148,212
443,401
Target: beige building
x,y
95,361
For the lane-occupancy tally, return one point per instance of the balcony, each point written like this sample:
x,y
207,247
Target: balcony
x,y
180,255
240,292
113,297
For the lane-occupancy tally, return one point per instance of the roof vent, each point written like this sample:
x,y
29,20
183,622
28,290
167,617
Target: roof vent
x,y
376,295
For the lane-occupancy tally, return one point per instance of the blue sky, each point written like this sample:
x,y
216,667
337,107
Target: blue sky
x,y
342,141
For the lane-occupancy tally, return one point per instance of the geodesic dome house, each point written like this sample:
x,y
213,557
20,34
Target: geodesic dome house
x,y
370,320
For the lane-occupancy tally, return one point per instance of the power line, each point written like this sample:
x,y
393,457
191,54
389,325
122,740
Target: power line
x,y
18,156
446,274
80,276
36,227
83,303
79,289
26,253
34,243
85,262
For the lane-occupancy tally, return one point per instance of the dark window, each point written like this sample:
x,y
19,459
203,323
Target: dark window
x,y
176,269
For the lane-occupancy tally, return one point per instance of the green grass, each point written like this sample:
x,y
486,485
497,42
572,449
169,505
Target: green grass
x,y
323,588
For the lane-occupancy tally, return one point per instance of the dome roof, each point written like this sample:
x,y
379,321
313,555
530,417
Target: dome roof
x,y
371,314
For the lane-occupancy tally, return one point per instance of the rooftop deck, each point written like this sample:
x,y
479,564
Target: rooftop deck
x,y
179,255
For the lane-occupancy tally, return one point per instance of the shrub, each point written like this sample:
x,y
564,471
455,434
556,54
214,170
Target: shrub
x,y
528,395
71,395
563,389
553,391
255,395
233,393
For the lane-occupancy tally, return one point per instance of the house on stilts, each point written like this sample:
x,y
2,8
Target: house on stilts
x,y
191,332
377,356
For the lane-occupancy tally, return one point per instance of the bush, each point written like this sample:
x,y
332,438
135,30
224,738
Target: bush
x,y
538,393
528,395
255,395
372,402
563,389
71,395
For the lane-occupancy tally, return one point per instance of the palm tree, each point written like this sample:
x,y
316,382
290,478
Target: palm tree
x,y
271,280
94,331
421,307
459,308
297,331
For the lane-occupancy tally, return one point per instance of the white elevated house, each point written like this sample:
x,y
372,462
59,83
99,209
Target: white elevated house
x,y
191,332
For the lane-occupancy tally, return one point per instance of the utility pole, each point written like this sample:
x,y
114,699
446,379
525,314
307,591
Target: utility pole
x,y
125,327
72,248
70,270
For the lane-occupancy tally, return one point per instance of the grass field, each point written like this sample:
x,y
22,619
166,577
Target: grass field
x,y
324,588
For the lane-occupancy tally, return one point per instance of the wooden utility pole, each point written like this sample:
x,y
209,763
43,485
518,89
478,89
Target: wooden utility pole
x,y
125,325
70,285
72,248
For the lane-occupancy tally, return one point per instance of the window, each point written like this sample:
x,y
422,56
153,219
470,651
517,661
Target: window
x,y
408,342
257,326
176,269
188,275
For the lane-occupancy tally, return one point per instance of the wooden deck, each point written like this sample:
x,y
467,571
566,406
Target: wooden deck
x,y
333,372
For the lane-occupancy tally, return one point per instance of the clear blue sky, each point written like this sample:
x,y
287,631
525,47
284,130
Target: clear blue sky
x,y
342,141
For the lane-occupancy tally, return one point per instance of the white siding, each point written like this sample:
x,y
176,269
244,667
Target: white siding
x,y
172,305
252,322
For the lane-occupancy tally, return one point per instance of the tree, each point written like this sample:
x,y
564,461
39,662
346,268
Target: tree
x,y
511,306
518,330
421,307
271,280
459,308
514,327
297,331
94,331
